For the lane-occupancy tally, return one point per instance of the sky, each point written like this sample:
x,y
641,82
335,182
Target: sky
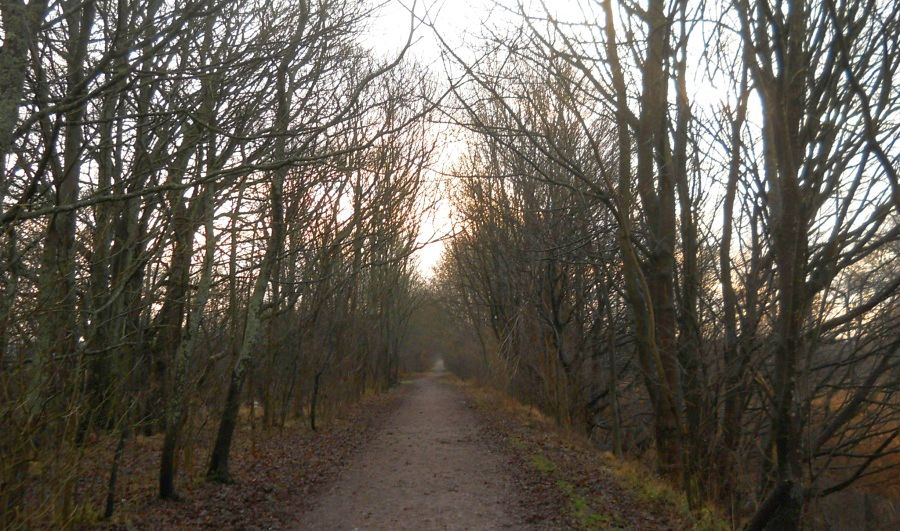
x,y
460,22
455,20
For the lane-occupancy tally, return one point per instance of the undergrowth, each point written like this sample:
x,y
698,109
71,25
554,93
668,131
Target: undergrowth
x,y
663,496
651,492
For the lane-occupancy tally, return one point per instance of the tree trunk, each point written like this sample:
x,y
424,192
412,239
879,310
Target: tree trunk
x,y
218,467
177,398
314,399
20,24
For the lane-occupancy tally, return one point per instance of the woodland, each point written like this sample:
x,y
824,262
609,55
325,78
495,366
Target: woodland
x,y
672,226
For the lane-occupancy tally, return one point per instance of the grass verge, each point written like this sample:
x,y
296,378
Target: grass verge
x,y
591,489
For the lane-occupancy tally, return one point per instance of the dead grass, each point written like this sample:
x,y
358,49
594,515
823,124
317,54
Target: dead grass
x,y
598,491
273,469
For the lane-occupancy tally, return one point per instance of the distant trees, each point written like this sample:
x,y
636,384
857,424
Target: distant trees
x,y
703,245
194,192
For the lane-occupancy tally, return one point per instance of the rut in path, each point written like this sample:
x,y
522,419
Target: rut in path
x,y
427,469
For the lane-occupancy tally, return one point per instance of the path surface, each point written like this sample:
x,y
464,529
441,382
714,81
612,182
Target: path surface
x,y
427,469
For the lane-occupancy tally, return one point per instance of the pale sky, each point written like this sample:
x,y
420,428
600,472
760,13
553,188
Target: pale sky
x,y
459,22
454,19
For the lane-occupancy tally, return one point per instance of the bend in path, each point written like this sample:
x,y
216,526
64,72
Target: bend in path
x,y
427,469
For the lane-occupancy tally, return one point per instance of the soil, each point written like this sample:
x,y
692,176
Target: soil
x,y
565,480
431,453
276,473
430,467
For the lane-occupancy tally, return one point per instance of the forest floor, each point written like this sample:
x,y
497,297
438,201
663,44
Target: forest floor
x,y
276,472
432,453
457,456
566,482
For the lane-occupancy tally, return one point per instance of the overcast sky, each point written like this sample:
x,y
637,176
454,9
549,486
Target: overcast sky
x,y
387,35
460,22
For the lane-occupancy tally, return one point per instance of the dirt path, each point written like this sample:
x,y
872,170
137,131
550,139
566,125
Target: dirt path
x,y
428,469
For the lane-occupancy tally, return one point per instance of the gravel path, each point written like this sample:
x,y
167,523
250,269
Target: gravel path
x,y
429,468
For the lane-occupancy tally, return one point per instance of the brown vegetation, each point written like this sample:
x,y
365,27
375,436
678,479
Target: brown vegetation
x,y
707,272
206,205
675,231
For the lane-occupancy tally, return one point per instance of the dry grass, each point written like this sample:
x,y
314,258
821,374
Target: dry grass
x,y
269,466
598,491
